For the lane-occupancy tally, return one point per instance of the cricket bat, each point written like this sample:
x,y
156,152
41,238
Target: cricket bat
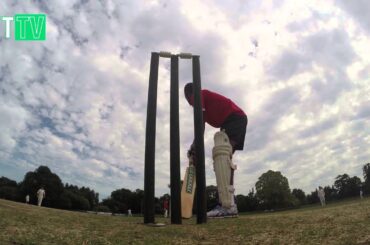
x,y
187,192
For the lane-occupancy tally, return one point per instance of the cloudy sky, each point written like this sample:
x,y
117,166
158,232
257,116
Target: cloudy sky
x,y
77,101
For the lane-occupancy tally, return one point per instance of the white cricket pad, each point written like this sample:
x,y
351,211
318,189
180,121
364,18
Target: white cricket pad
x,y
222,152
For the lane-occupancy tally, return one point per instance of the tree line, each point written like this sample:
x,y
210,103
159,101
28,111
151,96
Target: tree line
x,y
271,191
58,195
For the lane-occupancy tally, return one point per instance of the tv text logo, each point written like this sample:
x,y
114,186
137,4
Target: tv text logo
x,y
27,27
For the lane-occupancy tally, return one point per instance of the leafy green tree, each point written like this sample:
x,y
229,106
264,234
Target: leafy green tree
x,y
65,201
158,206
252,201
137,201
366,172
354,187
247,203
110,203
123,199
330,193
91,196
43,177
7,182
341,185
10,193
347,186
86,193
300,195
57,195
9,189
272,189
312,197
78,202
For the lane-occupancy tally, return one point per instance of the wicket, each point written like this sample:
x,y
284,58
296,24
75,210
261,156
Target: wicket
x,y
149,174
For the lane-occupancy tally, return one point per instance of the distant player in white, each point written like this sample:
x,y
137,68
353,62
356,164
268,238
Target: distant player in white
x,y
361,194
129,214
40,196
321,195
28,199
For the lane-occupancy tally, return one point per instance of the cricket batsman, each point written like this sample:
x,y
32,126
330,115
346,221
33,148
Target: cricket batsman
x,y
221,112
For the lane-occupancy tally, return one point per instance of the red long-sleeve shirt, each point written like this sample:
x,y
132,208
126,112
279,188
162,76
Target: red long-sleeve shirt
x,y
165,204
216,108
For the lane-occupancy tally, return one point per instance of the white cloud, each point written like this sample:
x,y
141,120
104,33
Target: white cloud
x,y
358,10
15,116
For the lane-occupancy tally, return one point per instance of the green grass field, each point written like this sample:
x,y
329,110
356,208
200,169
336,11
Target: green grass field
x,y
346,222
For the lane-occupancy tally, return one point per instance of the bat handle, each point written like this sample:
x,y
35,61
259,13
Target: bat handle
x,y
191,161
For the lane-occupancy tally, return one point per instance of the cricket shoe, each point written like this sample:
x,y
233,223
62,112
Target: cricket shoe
x,y
232,212
221,212
217,212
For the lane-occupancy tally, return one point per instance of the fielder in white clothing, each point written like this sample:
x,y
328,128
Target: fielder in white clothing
x,y
40,196
129,214
321,195
28,199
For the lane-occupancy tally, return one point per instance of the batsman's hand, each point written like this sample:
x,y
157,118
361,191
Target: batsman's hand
x,y
191,155
191,151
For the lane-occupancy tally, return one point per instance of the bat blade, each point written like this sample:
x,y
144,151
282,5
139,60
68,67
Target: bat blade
x,y
187,192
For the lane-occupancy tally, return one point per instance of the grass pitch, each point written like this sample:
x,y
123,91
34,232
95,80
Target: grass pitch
x,y
346,222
